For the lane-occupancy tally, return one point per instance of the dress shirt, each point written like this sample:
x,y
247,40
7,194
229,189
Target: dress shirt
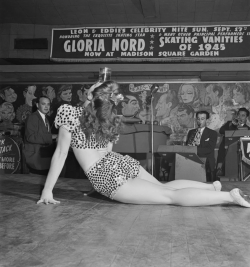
x,y
202,130
45,120
43,116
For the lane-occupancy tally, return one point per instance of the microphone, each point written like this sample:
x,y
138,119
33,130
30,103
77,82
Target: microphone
x,y
154,88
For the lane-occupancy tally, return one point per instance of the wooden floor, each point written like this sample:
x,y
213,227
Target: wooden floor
x,y
94,231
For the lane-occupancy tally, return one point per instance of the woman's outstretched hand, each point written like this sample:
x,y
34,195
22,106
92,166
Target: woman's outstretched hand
x,y
90,95
47,198
92,88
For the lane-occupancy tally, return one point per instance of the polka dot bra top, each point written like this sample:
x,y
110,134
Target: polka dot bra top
x,y
68,117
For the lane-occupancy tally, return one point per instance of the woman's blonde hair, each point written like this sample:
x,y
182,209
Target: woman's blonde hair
x,y
99,117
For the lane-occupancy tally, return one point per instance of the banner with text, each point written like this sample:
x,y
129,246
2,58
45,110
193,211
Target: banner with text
x,y
154,44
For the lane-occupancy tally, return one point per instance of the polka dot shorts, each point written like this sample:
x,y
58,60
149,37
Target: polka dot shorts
x,y
111,172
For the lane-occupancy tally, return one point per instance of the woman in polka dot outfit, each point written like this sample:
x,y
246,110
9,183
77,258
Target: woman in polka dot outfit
x,y
91,132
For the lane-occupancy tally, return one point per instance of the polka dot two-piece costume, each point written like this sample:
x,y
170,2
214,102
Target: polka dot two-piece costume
x,y
109,172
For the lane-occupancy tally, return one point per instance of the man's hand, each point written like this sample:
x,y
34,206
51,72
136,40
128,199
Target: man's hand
x,y
54,136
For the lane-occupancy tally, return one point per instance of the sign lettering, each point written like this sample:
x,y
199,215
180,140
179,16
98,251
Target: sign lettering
x,y
156,44
9,155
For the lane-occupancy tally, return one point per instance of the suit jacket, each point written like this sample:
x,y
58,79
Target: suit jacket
x,y
207,145
36,137
228,126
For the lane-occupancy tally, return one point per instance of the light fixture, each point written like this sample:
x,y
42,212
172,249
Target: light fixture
x,y
147,80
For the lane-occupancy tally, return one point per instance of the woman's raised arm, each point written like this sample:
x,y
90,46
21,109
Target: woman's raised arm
x,y
56,166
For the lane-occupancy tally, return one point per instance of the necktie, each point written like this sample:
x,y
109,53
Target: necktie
x,y
194,139
47,124
197,137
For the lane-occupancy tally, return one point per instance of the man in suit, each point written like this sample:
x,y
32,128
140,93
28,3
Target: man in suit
x,y
205,139
235,122
38,140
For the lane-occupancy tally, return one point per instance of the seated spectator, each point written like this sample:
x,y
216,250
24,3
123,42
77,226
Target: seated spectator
x,y
38,140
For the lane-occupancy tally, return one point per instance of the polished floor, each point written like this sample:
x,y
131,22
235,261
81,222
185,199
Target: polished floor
x,y
94,231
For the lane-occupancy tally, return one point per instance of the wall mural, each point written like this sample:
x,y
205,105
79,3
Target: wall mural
x,y
173,105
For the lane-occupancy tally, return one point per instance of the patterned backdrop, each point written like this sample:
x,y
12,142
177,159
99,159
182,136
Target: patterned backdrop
x,y
174,104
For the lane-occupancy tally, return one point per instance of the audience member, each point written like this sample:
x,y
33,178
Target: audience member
x,y
38,140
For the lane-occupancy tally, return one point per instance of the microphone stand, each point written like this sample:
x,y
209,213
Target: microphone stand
x,y
155,88
152,134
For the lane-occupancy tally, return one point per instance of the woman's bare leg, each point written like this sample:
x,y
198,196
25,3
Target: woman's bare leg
x,y
181,184
138,191
176,184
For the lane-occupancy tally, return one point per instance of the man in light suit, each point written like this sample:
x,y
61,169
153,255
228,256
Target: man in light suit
x,y
38,140
205,139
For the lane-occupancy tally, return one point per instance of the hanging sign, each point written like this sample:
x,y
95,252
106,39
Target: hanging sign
x,y
9,155
155,44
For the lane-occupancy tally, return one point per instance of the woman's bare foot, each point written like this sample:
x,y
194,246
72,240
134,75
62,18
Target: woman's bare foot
x,y
217,185
239,198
